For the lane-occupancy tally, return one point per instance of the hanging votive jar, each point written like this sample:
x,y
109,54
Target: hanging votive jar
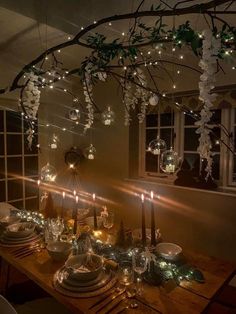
x,y
54,141
90,152
74,114
48,173
157,146
108,116
170,161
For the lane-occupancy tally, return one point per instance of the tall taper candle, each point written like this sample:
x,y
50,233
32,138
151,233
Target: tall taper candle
x,y
95,222
153,226
62,204
75,215
143,222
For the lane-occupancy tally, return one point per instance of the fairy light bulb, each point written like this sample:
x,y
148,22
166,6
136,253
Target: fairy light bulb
x,y
108,116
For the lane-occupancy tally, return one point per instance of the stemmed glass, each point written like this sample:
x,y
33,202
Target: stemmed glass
x,y
57,227
139,261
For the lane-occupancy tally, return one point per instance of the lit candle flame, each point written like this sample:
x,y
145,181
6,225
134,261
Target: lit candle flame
x,y
94,196
152,195
38,182
142,197
74,192
63,194
77,199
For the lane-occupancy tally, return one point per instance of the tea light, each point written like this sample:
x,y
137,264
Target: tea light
x,y
126,276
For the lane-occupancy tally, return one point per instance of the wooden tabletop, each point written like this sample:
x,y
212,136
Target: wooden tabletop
x,y
189,297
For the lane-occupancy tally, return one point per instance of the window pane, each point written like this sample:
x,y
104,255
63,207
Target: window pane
x,y
15,189
165,134
18,204
14,166
2,168
194,162
31,188
2,191
1,144
32,204
215,136
216,167
189,120
151,162
14,144
1,121
151,120
191,139
216,117
13,120
31,166
151,134
167,119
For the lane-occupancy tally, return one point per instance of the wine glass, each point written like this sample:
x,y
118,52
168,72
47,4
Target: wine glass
x,y
139,261
57,227
108,220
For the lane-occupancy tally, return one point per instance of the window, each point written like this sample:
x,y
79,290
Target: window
x,y
18,164
186,142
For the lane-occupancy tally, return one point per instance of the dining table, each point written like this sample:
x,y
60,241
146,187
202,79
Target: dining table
x,y
186,297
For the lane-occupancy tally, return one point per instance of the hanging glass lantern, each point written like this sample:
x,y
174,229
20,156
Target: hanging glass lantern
x,y
54,141
170,161
108,116
48,173
153,100
74,114
90,152
157,146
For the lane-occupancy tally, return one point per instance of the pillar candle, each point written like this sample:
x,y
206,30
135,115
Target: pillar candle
x,y
62,204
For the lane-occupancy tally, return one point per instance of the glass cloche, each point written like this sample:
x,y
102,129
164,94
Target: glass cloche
x,y
170,161
108,116
48,173
90,152
157,146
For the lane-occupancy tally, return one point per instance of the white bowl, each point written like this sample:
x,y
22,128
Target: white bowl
x,y
90,221
169,251
9,220
20,230
59,251
79,264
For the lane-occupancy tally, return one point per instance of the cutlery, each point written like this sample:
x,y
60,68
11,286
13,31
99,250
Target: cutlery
x,y
26,254
115,304
25,248
107,302
104,298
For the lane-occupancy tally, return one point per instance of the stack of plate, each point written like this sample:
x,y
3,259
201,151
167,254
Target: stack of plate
x,y
17,237
65,283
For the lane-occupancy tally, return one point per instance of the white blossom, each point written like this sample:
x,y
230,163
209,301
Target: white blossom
x,y
88,89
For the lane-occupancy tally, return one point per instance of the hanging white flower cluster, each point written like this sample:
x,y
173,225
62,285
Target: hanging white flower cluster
x,y
129,100
142,94
208,63
31,96
88,89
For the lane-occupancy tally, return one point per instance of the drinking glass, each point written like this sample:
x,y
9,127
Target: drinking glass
x,y
125,273
57,227
108,220
139,261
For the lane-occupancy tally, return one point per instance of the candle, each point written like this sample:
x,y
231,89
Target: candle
x,y
95,222
75,215
143,222
62,205
153,227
